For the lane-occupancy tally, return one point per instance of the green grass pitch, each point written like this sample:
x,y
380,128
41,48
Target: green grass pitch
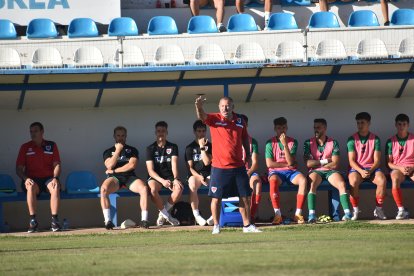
x,y
356,248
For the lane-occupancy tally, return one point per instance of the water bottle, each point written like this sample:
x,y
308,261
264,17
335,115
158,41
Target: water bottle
x,y
65,224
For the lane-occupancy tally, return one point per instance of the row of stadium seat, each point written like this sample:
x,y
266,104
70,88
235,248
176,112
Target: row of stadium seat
x,y
165,25
205,54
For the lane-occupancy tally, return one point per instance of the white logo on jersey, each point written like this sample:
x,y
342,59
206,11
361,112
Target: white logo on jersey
x,y
197,157
128,150
169,151
206,147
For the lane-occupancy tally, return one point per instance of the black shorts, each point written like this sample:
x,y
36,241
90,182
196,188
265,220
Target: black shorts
x,y
170,179
41,182
226,183
124,181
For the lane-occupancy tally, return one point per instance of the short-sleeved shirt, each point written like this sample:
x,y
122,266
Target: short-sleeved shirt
x,y
193,152
227,138
162,157
351,142
38,160
307,149
126,154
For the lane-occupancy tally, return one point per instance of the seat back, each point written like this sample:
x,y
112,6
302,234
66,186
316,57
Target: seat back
x,y
403,17
81,182
41,28
47,57
363,18
122,26
282,21
331,49
169,55
9,58
323,20
209,54
290,51
249,53
242,22
406,49
7,186
82,27
372,49
162,25
132,56
88,56
201,24
7,29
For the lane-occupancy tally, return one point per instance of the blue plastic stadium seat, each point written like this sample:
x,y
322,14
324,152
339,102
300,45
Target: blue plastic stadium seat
x,y
323,20
282,21
7,29
201,24
363,18
81,182
7,186
82,27
229,212
241,23
162,25
41,28
122,26
403,17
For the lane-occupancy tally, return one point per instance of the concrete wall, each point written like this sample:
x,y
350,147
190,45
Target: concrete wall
x,y
83,134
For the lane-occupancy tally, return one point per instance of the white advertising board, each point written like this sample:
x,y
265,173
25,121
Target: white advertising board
x,y
60,11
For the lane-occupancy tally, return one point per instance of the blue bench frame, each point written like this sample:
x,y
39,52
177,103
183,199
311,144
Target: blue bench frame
x,y
333,196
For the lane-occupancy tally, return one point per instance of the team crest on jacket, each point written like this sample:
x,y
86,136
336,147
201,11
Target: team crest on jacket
x,y
239,120
169,151
214,189
48,147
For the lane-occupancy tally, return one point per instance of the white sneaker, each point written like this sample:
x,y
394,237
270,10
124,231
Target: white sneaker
x,y
403,214
251,229
216,229
160,219
200,221
173,221
355,215
379,214
210,221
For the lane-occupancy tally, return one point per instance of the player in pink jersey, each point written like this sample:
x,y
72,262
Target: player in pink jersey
x,y
364,154
400,159
321,155
282,167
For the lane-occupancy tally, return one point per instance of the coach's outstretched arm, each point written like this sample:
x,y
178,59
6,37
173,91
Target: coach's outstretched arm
x,y
201,115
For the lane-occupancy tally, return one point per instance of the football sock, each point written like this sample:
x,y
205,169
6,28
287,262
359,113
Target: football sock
x,y
356,209
300,199
253,206
258,198
144,215
298,212
311,201
379,200
196,212
277,211
266,15
107,215
168,206
344,202
354,200
396,193
33,217
55,217
164,213
219,25
274,193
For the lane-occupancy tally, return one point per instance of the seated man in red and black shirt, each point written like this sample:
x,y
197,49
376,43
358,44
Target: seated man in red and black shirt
x,y
120,162
38,165
162,166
